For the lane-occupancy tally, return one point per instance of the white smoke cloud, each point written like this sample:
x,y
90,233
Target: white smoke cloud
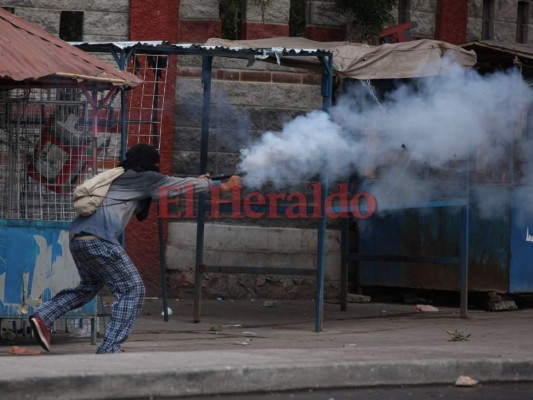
x,y
446,119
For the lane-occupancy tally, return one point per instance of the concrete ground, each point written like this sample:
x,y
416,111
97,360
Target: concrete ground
x,y
253,346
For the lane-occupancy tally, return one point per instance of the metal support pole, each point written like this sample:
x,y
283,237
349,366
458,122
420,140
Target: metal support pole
x,y
327,93
465,247
344,266
207,64
321,255
163,265
94,142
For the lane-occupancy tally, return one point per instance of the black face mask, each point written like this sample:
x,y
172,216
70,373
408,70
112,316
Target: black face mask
x,y
140,158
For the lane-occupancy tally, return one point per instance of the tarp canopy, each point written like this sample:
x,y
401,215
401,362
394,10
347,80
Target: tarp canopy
x,y
31,57
419,58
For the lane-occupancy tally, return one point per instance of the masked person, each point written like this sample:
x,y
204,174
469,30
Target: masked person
x,y
99,257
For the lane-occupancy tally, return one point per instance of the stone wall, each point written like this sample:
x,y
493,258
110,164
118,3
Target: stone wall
x,y
323,23
102,20
246,101
423,12
198,20
251,247
505,17
269,21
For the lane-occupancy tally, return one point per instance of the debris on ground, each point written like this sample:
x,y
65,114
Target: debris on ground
x,y
169,311
219,328
504,305
23,351
500,302
458,336
425,308
270,303
349,345
8,334
465,381
358,298
244,343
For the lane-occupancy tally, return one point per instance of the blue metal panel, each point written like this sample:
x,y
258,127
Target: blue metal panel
x,y
490,241
35,263
436,231
521,271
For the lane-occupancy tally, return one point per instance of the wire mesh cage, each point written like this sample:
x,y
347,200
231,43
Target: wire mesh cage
x,y
50,140
46,148
146,103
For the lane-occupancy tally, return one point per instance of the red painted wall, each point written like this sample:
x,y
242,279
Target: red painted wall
x,y
258,30
451,21
198,31
154,20
325,34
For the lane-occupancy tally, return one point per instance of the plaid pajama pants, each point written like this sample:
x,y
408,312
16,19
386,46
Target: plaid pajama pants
x,y
101,263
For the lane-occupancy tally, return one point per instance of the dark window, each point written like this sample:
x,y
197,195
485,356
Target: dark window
x,y
404,11
522,20
487,23
71,26
297,18
10,9
231,16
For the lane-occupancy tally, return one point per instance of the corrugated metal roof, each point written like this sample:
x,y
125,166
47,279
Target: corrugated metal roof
x,y
224,48
519,49
493,55
352,60
30,54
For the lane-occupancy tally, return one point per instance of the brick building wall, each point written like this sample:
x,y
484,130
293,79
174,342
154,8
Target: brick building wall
x,y
503,23
247,100
154,20
102,20
323,23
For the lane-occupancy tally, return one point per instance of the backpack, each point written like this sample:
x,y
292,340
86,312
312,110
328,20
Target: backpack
x,y
90,194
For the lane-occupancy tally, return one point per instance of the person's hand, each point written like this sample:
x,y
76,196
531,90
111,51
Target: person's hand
x,y
234,182
204,176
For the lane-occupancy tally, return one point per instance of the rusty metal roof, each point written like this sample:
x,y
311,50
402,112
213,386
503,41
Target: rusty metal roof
x,y
30,56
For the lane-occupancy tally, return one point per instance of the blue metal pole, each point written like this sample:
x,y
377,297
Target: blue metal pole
x,y
321,255
207,64
465,233
327,93
344,269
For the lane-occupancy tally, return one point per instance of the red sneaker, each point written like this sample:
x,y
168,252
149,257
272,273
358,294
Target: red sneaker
x,y
41,332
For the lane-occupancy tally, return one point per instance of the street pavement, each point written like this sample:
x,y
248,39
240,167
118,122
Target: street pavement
x,y
250,346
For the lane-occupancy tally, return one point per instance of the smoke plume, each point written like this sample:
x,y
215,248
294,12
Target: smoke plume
x,y
437,122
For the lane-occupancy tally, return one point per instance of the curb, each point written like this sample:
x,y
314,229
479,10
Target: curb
x,y
142,375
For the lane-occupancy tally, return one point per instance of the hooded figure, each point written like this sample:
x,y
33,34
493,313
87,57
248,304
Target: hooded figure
x,y
140,158
97,251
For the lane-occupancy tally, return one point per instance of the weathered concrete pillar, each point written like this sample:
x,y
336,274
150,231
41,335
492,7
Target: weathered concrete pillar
x,y
154,20
199,20
268,20
324,24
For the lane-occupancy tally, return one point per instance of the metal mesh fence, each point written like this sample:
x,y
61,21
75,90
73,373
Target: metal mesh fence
x,y
45,150
146,103
48,142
